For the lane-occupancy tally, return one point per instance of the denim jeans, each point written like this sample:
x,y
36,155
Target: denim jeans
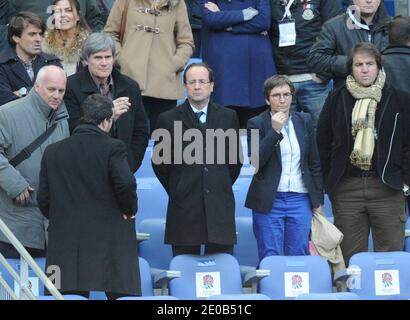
x,y
309,97
285,229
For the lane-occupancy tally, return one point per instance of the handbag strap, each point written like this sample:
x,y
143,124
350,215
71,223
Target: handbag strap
x,y
123,22
27,151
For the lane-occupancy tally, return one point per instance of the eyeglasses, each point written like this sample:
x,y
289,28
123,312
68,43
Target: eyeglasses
x,y
200,82
277,96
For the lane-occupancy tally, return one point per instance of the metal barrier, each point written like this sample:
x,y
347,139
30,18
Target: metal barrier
x,y
6,292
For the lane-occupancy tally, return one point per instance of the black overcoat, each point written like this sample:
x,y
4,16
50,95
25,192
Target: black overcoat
x,y
85,187
201,206
131,127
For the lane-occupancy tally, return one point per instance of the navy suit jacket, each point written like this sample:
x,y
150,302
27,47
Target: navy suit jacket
x,y
264,185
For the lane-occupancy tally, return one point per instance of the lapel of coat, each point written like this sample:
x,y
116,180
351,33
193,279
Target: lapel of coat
x,y
21,73
186,115
268,127
212,116
300,131
87,84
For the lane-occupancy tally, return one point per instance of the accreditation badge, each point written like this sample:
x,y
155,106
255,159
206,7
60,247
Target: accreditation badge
x,y
287,33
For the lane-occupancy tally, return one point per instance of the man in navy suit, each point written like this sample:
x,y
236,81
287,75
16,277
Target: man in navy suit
x,y
288,182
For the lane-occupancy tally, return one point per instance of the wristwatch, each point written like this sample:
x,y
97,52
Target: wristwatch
x,y
22,92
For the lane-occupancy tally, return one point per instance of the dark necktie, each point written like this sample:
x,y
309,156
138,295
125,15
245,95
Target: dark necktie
x,y
198,116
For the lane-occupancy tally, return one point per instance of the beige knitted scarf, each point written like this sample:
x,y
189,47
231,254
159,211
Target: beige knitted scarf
x,y
363,119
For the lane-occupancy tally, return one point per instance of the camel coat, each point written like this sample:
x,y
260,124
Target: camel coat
x,y
154,60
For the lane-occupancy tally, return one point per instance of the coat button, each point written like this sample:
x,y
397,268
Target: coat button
x,y
303,172
206,191
206,169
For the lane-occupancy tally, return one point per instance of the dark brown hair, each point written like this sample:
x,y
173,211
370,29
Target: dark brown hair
x,y
364,48
20,22
277,80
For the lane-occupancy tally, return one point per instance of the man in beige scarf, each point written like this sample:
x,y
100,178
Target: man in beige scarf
x,y
364,146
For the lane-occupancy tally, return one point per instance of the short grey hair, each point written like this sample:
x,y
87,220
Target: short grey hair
x,y
96,42
45,70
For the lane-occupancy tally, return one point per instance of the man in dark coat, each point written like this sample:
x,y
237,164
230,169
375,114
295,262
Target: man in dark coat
x,y
396,57
21,61
365,156
130,121
88,193
368,23
201,207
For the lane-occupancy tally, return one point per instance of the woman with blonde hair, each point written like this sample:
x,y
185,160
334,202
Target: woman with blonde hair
x,y
157,43
65,36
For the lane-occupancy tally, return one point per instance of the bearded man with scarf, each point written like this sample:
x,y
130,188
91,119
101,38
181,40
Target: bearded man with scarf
x,y
364,147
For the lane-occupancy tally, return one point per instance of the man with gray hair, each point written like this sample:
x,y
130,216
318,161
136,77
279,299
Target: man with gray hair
x,y
41,114
130,121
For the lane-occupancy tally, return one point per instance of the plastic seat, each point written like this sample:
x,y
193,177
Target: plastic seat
x,y
245,250
154,250
203,276
152,200
66,297
145,170
240,190
329,296
35,283
294,275
243,296
383,275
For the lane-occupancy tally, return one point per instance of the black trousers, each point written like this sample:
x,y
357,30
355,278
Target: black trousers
x,y
9,252
154,107
209,248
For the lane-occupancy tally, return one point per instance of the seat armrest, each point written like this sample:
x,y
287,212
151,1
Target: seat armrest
x,y
162,278
254,276
141,236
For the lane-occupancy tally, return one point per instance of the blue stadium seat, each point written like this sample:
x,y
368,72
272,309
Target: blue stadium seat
x,y
152,200
145,170
245,250
240,189
154,250
243,296
329,296
294,275
15,264
202,276
66,297
383,275
407,239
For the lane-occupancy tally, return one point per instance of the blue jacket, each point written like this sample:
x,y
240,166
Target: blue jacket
x,y
262,190
13,76
242,59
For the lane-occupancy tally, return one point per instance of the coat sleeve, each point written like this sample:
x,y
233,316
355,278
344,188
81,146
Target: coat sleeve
x,y
184,39
322,56
93,16
222,19
112,26
139,140
314,160
324,136
161,169
267,142
73,106
123,181
261,22
235,169
406,138
43,194
11,181
6,91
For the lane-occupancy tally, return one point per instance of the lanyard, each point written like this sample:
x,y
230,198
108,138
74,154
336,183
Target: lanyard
x,y
288,14
356,22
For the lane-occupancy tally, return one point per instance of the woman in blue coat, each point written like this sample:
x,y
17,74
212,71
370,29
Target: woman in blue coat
x,y
236,46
